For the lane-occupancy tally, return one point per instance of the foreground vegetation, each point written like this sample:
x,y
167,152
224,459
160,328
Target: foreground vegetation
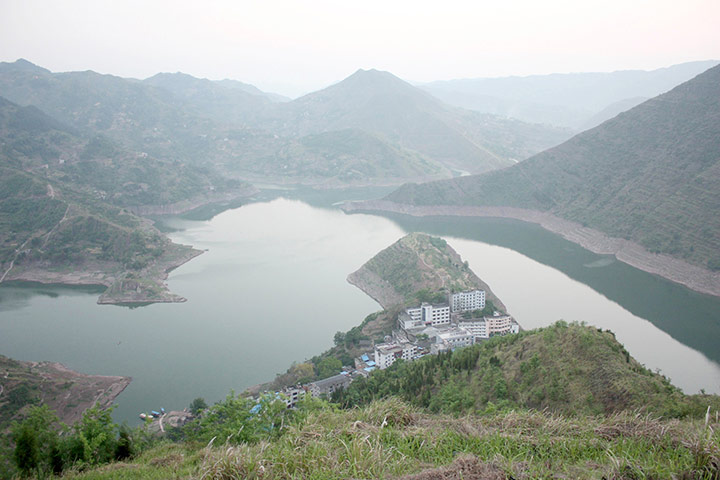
x,y
389,438
501,409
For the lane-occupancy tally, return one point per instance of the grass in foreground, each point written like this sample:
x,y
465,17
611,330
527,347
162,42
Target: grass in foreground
x,y
389,439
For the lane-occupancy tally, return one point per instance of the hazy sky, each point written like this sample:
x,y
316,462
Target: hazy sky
x,y
292,47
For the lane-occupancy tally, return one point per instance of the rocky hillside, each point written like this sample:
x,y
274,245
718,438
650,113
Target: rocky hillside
x,y
650,175
417,268
65,391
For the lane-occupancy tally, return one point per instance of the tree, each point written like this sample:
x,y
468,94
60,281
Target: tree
x,y
328,367
339,338
94,438
123,449
26,455
198,405
36,441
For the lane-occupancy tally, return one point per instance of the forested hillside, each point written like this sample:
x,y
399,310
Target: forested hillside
x,y
650,175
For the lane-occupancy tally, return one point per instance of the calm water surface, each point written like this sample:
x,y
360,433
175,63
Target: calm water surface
x,y
271,290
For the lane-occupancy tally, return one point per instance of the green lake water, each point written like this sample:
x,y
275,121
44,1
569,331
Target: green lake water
x,y
271,289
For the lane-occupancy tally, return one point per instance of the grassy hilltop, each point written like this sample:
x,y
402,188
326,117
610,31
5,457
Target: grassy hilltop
x,y
527,432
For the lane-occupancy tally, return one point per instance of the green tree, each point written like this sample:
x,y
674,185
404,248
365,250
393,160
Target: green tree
x,y
328,367
26,455
94,439
123,449
37,442
198,405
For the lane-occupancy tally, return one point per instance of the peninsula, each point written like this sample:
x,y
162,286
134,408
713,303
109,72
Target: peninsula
x,y
63,390
643,186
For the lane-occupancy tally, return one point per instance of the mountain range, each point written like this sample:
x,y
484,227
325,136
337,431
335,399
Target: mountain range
x,y
650,175
570,100
109,146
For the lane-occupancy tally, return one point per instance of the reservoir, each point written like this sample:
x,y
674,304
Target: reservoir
x,y
271,289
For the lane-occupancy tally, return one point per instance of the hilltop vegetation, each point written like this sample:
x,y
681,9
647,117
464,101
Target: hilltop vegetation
x,y
388,437
650,175
568,369
415,269
231,128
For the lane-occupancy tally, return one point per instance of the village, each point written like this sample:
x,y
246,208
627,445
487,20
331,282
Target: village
x,y
427,329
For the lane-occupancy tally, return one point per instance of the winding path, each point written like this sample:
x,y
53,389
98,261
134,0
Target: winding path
x,y
47,237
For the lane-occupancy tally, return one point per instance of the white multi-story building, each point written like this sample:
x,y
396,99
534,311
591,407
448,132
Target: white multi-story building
x,y
429,314
406,322
292,395
467,301
486,327
387,353
456,337
476,327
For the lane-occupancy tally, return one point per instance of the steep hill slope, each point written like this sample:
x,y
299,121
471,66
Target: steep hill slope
x,y
334,158
65,391
599,419
563,368
99,166
60,215
651,175
220,102
414,267
568,100
381,103
51,233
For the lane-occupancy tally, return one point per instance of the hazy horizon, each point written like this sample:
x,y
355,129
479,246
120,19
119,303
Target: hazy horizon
x,y
292,49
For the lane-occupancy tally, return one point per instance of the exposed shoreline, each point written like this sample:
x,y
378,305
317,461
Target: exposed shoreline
x,y
184,206
692,276
68,392
119,290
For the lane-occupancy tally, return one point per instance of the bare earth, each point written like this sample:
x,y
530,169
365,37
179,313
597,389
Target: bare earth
x,y
692,276
65,391
148,287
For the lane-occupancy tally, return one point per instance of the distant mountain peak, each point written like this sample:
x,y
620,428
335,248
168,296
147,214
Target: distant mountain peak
x,y
22,65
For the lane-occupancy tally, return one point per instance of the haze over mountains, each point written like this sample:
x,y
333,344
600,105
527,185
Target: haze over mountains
x,y
101,144
650,175
570,100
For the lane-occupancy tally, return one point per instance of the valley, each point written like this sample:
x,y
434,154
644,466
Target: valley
x,y
248,336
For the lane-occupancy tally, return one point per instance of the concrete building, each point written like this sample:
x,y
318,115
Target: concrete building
x,y
429,314
292,395
501,325
455,337
477,327
387,353
406,322
467,301
328,385
486,327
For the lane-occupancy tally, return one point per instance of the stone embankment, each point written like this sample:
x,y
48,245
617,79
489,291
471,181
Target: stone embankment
x,y
692,276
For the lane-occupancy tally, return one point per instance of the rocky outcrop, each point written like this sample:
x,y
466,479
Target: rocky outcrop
x,y
65,391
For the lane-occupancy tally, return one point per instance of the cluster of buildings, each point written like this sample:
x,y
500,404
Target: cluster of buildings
x,y
433,328
427,329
